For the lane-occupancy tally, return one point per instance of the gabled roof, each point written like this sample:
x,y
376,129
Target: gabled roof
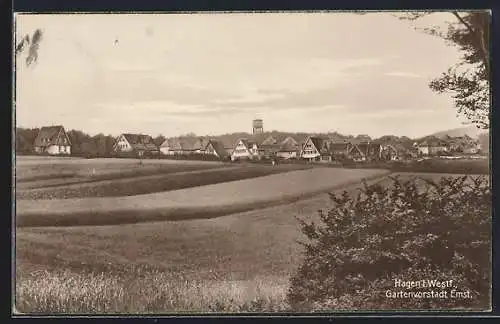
x,y
230,140
192,143
339,146
289,146
138,138
369,148
279,138
291,140
336,138
300,137
218,148
431,141
140,141
172,143
270,140
355,147
185,143
247,142
317,141
48,135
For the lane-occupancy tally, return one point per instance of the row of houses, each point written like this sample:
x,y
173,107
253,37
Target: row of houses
x,y
54,140
433,145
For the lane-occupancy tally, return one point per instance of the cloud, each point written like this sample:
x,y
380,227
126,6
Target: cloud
x,y
404,74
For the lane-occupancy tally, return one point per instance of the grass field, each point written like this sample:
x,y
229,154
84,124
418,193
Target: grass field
x,y
196,202
240,262
170,179
37,172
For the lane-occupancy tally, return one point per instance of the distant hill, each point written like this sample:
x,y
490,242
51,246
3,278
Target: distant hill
x,y
471,131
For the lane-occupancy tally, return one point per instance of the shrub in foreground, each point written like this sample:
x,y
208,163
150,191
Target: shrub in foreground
x,y
415,230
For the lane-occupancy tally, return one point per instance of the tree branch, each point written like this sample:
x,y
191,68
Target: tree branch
x,y
481,38
463,22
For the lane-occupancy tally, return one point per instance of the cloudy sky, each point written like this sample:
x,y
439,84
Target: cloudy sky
x,y
213,73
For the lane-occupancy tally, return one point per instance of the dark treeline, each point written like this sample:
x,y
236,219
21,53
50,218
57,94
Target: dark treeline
x,y
82,144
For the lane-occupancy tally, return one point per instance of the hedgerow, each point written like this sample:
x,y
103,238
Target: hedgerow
x,y
413,230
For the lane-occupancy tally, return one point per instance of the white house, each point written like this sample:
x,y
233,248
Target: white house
x,y
311,150
183,146
52,140
289,148
135,143
245,149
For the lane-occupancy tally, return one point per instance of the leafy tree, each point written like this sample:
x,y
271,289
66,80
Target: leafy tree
x,y
405,231
100,144
158,140
110,143
25,138
469,79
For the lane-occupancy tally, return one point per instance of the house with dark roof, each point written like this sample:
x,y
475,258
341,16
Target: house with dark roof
x,y
138,144
216,148
313,148
357,150
171,146
371,151
245,149
268,148
52,140
289,148
462,144
339,149
431,146
183,145
356,153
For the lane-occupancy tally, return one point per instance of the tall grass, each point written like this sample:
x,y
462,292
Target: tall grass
x,y
156,292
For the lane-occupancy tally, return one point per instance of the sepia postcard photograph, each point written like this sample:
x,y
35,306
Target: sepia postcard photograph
x,y
251,162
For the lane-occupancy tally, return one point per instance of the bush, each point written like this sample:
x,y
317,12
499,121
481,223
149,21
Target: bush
x,y
414,230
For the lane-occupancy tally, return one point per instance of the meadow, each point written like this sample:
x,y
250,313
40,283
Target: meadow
x,y
195,202
42,172
166,179
239,262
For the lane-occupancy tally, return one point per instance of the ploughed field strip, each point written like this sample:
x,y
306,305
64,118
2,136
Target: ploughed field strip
x,y
59,174
126,186
166,181
197,202
60,181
